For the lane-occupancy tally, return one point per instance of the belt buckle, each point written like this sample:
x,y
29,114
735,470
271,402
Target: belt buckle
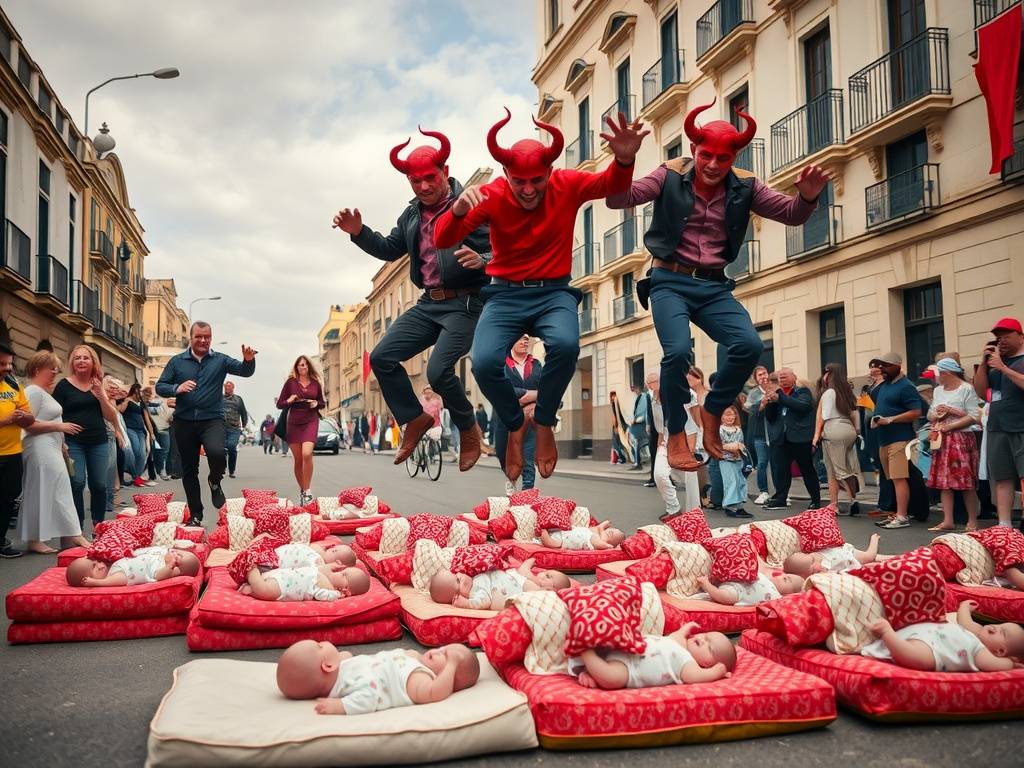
x,y
533,283
436,294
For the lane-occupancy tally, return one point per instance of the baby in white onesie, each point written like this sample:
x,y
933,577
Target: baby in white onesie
x,y
344,684
600,536
834,559
767,586
315,555
680,657
490,590
305,583
145,566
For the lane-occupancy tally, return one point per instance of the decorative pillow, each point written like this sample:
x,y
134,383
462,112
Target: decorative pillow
x,y
638,546
233,506
553,512
396,569
394,536
799,620
690,526
354,496
151,503
604,615
976,564
121,539
760,541
427,559
524,498
241,530
259,551
479,559
178,512
369,537
258,497
1004,544
733,558
854,606
657,569
817,529
689,562
431,527
502,527
781,540
910,587
949,562
526,523
504,638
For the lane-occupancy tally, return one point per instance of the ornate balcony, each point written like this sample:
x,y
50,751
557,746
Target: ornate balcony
x,y
101,247
52,282
723,32
664,89
620,243
17,255
580,151
586,264
903,195
986,10
588,321
751,158
82,303
626,104
822,232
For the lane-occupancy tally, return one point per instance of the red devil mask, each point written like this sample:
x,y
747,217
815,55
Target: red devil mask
x,y
422,160
715,145
526,158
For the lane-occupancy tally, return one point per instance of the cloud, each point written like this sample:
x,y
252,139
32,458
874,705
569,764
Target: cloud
x,y
284,112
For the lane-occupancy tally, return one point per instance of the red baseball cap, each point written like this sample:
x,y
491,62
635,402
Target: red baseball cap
x,y
1008,324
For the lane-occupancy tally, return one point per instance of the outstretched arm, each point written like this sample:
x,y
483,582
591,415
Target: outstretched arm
x,y
110,580
694,673
869,554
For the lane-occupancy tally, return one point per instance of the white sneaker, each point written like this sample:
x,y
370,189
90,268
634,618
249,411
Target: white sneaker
x,y
150,482
762,497
510,487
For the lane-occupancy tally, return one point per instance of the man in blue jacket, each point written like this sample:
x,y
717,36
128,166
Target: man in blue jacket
x,y
196,379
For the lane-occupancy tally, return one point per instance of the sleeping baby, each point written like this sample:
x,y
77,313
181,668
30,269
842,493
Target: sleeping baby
x,y
344,684
768,585
490,590
145,566
301,555
600,536
834,559
306,583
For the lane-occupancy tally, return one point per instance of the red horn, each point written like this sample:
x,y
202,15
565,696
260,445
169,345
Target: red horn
x,y
497,151
400,165
694,133
742,139
446,146
552,151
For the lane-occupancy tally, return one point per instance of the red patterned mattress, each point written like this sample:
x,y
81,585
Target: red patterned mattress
x,y
994,603
433,624
475,522
219,557
883,691
567,561
370,558
350,526
85,631
202,638
65,556
760,699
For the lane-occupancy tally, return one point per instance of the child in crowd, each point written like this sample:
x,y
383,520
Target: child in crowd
x,y
963,646
768,585
490,590
600,536
734,484
834,559
306,583
344,684
680,657
145,566
315,555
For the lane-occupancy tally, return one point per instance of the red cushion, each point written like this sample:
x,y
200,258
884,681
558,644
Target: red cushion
x,y
657,569
431,527
638,546
553,512
354,496
800,619
119,538
203,638
605,614
690,526
261,551
151,503
994,603
947,560
524,498
65,556
884,691
817,529
353,524
1006,546
96,629
258,497
474,560
502,527
48,597
396,569
370,537
734,558
569,561
910,586
760,542
504,639
760,698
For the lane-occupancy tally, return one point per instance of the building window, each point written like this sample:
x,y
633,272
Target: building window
x,y
59,122
922,318
3,176
5,42
584,119
72,215
45,100
904,168
43,229
739,101
624,100
818,81
24,70
589,264
674,148
552,16
767,358
671,63
636,371
832,336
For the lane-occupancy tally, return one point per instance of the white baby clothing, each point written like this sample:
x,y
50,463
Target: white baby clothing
x,y
142,566
953,646
573,539
761,590
375,682
508,583
297,556
299,584
839,559
341,512
660,664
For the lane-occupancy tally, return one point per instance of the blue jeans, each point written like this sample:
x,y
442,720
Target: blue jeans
x,y
92,463
231,437
160,449
734,484
137,464
761,449
676,301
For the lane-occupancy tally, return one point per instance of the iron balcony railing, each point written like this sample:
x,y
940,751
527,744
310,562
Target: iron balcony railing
x,y
124,271
1013,166
100,243
52,279
916,69
723,18
666,72
902,195
83,299
751,158
620,241
580,150
986,10
824,230
626,104
588,321
623,308
17,256
747,262
817,124
104,324
648,214
585,260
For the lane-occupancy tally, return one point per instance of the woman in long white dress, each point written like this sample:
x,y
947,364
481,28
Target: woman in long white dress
x,y
47,507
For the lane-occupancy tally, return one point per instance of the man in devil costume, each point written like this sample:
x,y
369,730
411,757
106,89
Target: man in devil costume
x,y
445,315
532,212
701,211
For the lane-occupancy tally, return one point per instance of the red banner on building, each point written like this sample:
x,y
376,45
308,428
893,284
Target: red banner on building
x,y
996,71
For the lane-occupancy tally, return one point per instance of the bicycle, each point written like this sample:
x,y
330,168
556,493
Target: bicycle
x,y
426,458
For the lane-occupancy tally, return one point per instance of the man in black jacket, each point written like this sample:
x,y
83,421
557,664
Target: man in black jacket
x,y
445,315
524,372
790,415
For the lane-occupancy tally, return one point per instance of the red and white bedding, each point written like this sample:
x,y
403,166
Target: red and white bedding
x,y
65,556
567,561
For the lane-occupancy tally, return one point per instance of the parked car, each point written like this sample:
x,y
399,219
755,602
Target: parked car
x,y
328,438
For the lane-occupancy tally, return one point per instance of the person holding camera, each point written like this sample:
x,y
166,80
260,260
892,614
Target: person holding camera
x,y
790,414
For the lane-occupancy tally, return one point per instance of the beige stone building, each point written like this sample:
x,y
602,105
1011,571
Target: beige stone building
x,y
329,340
914,248
166,326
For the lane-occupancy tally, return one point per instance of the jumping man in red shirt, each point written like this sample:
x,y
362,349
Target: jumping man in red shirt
x,y
531,211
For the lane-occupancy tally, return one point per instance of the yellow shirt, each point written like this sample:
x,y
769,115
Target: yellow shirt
x,y
11,399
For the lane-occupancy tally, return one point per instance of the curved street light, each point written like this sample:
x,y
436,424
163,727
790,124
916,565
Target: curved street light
x,y
164,73
196,301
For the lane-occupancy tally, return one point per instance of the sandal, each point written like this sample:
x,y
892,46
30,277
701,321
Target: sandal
x,y
942,529
970,529
44,550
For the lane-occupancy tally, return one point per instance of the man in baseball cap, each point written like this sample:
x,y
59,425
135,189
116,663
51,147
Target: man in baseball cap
x,y
1002,371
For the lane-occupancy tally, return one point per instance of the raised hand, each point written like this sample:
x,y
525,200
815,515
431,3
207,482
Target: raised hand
x,y
468,258
624,139
812,180
248,353
349,221
470,198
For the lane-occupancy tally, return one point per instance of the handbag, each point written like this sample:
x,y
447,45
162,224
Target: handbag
x,y
281,427
748,466
934,439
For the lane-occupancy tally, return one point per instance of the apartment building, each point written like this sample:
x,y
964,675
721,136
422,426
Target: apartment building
x,y
166,325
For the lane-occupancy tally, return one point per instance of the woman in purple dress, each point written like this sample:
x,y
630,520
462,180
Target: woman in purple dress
x,y
303,396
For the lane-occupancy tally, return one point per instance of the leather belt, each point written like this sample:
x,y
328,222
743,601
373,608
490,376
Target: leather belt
x,y
443,294
530,283
700,273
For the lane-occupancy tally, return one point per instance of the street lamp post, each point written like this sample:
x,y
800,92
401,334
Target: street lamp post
x,y
196,301
164,73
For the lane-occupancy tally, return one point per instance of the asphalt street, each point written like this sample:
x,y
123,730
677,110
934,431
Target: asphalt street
x,y
89,704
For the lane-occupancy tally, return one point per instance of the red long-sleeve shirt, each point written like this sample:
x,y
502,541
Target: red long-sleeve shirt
x,y
537,244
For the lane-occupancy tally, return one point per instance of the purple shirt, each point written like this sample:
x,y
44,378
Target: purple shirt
x,y
704,242
428,251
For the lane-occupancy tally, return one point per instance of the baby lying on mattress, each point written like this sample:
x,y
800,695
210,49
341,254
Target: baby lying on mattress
x,y
145,566
305,583
490,590
834,559
769,585
680,657
344,684
964,646
314,555
600,536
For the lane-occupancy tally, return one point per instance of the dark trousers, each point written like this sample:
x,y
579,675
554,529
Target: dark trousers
x,y
717,493
189,436
231,437
548,312
678,300
10,488
448,326
784,453
529,442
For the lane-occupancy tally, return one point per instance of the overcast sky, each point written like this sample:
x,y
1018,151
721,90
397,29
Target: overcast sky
x,y
284,113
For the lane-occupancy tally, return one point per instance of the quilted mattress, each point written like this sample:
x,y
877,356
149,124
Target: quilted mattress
x,y
568,561
994,603
350,526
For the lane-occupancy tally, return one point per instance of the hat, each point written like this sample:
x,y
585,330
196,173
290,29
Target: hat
x,y
889,358
1008,324
949,365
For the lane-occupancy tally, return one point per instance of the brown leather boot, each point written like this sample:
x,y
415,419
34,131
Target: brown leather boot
x,y
712,436
414,430
514,452
679,454
545,452
469,447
